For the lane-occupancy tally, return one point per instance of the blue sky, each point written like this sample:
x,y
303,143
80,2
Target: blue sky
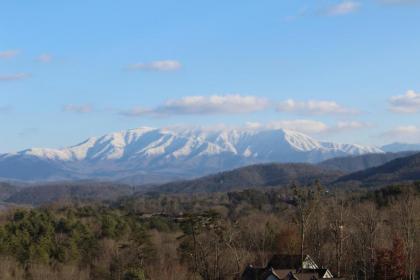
x,y
346,71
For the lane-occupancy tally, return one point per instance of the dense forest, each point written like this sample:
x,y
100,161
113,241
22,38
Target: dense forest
x,y
367,234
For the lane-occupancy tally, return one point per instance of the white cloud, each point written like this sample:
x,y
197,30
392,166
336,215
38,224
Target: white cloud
x,y
136,112
44,58
314,107
343,8
84,108
407,133
409,129
204,105
304,126
253,125
14,77
161,65
310,126
407,103
349,125
9,54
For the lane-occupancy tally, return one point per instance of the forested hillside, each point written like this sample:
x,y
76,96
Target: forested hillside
x,y
358,163
405,169
254,176
83,191
214,236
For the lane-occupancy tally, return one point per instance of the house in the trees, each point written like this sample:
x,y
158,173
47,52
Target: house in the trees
x,y
288,267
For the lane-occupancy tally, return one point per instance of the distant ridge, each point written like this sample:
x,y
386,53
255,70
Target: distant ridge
x,y
398,168
406,169
69,191
357,163
400,147
262,175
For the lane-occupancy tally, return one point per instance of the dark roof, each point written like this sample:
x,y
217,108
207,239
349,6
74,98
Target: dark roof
x,y
285,262
306,276
257,273
319,271
286,267
252,273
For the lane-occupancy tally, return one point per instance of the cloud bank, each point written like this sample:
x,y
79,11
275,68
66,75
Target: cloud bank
x,y
406,133
408,103
313,107
310,126
204,105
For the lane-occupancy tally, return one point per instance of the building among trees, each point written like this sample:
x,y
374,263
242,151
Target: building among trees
x,y
288,267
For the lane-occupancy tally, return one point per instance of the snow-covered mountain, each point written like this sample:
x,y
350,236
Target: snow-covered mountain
x,y
153,155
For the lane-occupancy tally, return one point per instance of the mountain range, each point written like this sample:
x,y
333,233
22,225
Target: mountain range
x,y
151,155
376,170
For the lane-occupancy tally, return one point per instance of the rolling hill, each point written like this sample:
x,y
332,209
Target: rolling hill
x,y
262,175
352,164
405,169
69,191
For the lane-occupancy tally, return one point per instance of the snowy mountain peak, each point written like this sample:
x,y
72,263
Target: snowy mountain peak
x,y
183,153
301,141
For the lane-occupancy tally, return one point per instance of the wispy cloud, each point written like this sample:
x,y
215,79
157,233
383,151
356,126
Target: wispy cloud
x,y
317,9
204,105
28,132
300,14
74,108
309,126
343,8
405,133
305,126
5,109
8,54
348,126
44,58
160,65
14,77
407,103
136,112
314,107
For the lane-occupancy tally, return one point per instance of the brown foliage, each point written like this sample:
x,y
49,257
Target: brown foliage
x,y
390,263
